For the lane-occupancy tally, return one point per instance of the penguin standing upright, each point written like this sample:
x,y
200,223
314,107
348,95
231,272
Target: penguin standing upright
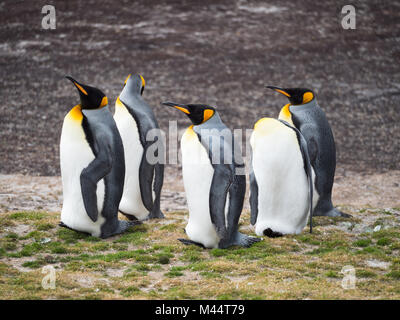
x,y
92,166
214,189
311,121
143,179
281,188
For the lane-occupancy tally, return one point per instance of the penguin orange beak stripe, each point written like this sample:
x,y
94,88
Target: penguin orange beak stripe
x,y
280,90
179,107
80,88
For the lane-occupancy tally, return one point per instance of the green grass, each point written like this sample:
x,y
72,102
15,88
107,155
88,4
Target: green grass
x,y
148,262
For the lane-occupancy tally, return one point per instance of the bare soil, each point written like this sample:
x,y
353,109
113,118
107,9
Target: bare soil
x,y
221,53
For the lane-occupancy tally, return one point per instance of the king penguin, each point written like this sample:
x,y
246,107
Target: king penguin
x,y
311,121
143,179
281,188
92,166
214,187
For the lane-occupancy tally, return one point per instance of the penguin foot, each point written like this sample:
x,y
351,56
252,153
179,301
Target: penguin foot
x,y
190,242
156,215
123,226
333,213
272,234
244,240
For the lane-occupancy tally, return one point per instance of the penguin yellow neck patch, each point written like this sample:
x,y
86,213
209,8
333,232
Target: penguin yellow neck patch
x,y
285,114
76,113
190,134
143,82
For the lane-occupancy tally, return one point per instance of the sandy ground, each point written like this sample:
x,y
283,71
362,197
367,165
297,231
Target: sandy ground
x,y
19,192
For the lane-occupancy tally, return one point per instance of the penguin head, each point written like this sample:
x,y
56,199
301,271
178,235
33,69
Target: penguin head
x,y
296,96
91,97
134,84
197,113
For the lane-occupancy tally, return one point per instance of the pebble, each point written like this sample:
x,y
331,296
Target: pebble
x,y
377,228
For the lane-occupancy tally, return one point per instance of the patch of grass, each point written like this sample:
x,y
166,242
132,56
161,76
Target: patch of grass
x,y
135,237
332,274
28,215
163,259
362,243
70,236
394,274
127,292
34,264
175,272
12,236
361,273
44,226
383,241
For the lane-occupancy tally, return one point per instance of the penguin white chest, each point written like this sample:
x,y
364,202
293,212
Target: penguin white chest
x,y
282,181
197,174
75,155
131,202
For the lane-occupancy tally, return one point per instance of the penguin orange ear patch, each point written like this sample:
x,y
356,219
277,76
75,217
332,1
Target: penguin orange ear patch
x,y
104,102
208,113
307,97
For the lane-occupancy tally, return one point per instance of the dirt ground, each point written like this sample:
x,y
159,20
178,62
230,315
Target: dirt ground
x,y
221,53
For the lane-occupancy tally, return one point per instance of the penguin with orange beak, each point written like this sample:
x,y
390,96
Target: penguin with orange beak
x,y
308,117
213,178
92,166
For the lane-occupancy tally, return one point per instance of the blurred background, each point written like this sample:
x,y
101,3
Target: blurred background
x,y
221,53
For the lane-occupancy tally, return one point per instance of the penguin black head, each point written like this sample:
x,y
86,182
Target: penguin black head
x,y
135,84
197,113
296,96
91,97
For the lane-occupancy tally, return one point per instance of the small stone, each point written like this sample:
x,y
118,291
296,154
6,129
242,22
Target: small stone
x,y
377,228
45,240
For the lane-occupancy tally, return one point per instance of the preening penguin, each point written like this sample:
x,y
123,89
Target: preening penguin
x,y
281,188
214,189
310,120
92,166
143,178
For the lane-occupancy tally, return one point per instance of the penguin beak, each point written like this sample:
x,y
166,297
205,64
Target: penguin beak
x,y
180,107
280,90
79,86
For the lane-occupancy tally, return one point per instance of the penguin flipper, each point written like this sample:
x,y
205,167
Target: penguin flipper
x,y
307,165
158,183
92,174
253,198
220,185
146,174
